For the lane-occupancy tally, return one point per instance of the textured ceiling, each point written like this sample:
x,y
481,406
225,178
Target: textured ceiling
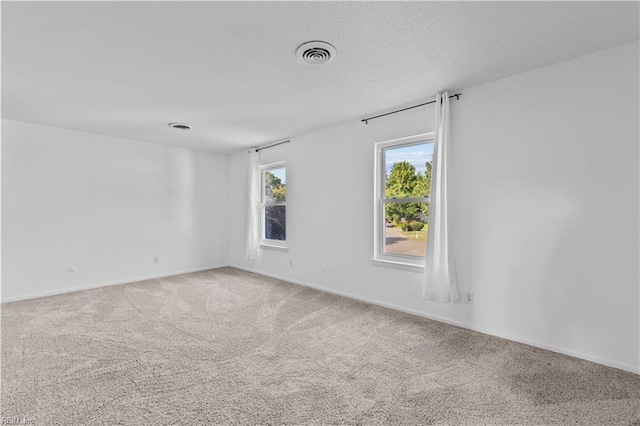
x,y
229,68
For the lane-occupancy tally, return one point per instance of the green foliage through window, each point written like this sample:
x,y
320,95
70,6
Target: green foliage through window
x,y
404,181
275,191
275,213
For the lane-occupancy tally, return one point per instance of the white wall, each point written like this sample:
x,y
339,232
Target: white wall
x,y
106,206
546,168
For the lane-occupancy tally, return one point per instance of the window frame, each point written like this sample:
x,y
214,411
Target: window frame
x,y
264,242
379,256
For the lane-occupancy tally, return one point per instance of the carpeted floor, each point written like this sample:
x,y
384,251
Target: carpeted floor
x,y
230,347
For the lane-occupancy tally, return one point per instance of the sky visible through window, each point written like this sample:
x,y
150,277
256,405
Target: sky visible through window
x,y
280,173
416,155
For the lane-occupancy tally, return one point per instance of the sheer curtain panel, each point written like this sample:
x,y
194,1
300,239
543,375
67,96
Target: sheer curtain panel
x,y
253,215
440,275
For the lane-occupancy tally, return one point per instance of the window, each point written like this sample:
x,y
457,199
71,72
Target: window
x,y
274,204
403,185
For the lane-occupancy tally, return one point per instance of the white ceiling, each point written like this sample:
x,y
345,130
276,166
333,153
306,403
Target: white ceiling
x,y
230,70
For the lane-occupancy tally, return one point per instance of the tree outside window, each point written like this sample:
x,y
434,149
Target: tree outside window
x,y
274,209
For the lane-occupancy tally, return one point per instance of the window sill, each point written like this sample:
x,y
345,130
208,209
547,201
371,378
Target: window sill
x,y
269,246
398,265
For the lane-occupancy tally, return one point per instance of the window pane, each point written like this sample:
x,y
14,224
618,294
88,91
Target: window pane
x,y
275,185
405,228
408,171
275,227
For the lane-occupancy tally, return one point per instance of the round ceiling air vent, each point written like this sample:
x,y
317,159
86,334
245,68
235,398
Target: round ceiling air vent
x,y
316,52
180,126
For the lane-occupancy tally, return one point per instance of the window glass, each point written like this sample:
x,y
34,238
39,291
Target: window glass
x,y
405,198
274,209
275,223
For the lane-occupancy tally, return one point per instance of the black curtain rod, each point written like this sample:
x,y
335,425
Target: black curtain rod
x,y
366,120
270,146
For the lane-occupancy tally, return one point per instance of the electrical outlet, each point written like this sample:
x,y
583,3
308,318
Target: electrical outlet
x,y
291,263
156,260
326,269
468,298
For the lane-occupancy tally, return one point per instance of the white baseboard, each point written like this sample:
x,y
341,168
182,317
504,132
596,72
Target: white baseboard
x,y
609,363
108,283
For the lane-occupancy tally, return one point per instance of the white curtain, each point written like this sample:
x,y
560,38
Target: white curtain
x,y
440,274
253,216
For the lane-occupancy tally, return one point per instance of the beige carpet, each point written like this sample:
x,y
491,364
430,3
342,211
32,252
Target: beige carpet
x,y
229,347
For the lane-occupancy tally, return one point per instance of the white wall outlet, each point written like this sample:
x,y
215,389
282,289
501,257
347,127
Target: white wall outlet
x,y
326,269
71,269
291,263
468,298
156,260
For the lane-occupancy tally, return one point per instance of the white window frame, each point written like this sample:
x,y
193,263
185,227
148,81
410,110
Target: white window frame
x,y
381,258
264,242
